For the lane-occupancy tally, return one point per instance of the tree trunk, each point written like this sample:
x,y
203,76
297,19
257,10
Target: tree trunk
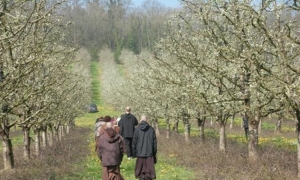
x,y
37,145
201,123
8,156
242,124
156,127
259,126
278,126
44,138
253,138
222,143
7,148
298,150
26,142
187,127
175,128
168,128
60,133
231,122
56,134
279,123
297,113
67,129
63,131
50,136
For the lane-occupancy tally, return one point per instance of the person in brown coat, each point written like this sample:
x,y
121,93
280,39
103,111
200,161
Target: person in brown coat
x,y
110,151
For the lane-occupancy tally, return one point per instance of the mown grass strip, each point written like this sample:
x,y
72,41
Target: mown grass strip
x,y
165,168
96,85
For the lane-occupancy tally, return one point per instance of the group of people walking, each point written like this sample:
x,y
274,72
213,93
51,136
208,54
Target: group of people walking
x,y
116,136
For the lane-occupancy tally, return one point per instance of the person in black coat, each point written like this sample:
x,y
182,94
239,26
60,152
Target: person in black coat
x,y
127,126
144,147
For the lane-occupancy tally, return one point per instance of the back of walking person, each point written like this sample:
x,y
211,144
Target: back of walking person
x,y
110,152
144,147
99,122
127,126
116,127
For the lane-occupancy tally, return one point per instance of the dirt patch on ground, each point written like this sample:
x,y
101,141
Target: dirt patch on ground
x,y
209,163
54,161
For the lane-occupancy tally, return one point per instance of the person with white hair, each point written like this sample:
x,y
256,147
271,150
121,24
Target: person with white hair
x,y
115,126
127,126
144,147
99,122
110,151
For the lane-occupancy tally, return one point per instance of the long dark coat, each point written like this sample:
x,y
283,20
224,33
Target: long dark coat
x,y
144,142
127,125
110,148
144,147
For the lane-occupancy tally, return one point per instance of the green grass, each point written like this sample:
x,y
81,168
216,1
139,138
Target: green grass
x,y
277,140
96,93
268,126
165,168
17,140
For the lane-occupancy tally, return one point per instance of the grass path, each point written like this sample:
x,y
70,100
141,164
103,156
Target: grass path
x,y
165,168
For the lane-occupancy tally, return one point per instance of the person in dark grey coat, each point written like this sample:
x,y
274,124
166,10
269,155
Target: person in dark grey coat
x,y
144,147
127,126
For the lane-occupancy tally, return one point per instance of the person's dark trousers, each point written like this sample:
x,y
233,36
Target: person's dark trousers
x,y
128,143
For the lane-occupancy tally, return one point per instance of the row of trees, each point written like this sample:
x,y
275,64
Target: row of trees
x,y
43,85
220,59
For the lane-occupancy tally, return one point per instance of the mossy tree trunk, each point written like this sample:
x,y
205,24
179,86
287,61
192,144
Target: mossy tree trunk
x,y
7,148
37,145
222,134
26,142
8,156
44,138
201,122
253,138
50,136
187,127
